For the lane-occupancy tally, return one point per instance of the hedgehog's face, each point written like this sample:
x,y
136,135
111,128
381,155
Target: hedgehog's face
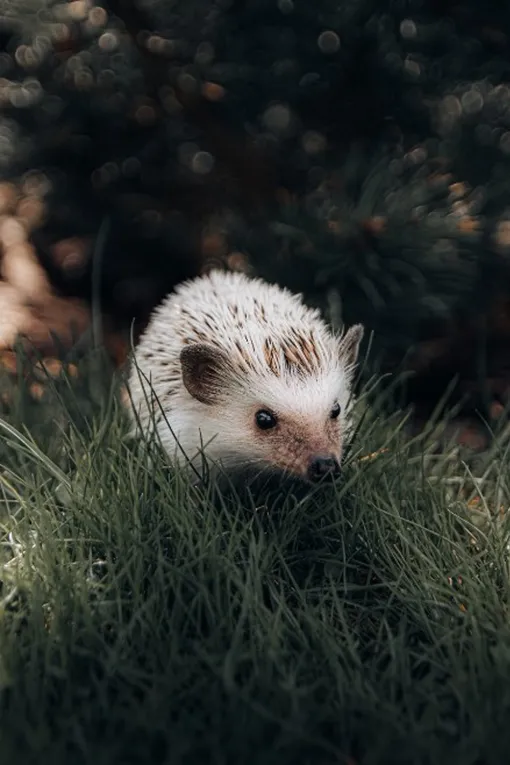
x,y
307,444
292,423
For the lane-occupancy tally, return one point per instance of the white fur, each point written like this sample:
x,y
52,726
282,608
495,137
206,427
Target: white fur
x,y
203,305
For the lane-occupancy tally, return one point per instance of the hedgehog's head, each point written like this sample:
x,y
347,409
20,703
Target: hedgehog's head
x,y
283,407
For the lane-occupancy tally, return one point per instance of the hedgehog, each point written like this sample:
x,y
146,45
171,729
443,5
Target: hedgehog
x,y
243,372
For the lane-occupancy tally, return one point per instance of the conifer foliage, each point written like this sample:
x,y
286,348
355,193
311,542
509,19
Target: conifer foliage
x,y
356,150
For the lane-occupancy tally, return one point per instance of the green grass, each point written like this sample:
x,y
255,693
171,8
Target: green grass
x,y
147,620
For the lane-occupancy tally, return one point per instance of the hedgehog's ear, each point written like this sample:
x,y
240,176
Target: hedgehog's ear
x,y
350,343
204,371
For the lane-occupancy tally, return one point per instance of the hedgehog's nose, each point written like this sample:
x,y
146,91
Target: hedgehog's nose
x,y
321,466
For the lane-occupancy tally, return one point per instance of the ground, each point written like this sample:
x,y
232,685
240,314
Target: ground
x,y
147,620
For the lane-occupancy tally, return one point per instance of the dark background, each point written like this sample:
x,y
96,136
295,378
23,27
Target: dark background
x,y
358,151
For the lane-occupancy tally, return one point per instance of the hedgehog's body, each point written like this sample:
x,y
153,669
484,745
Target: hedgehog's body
x,y
243,371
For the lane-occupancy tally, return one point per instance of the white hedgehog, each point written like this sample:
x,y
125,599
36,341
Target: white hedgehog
x,y
245,373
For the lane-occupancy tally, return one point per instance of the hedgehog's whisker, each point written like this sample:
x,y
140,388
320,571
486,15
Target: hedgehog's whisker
x,y
256,467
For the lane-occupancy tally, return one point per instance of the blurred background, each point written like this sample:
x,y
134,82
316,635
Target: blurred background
x,y
357,151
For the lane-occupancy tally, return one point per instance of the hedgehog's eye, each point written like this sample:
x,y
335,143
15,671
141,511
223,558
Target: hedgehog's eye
x,y
265,420
335,412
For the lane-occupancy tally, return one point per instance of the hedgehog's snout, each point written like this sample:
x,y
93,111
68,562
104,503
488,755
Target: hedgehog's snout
x,y
322,465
